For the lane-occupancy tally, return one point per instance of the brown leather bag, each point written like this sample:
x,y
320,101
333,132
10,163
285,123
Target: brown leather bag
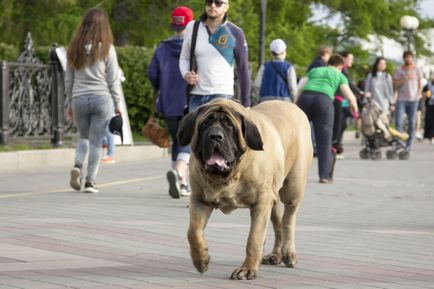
x,y
155,133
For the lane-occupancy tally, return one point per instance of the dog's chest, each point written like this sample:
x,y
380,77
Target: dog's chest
x,y
225,200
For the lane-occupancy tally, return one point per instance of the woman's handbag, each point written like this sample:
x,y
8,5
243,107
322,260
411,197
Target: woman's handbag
x,y
154,132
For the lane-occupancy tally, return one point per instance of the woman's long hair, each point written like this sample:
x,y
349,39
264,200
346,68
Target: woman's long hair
x,y
94,30
375,66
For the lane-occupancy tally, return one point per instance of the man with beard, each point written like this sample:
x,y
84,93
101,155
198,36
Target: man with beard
x,y
407,80
220,45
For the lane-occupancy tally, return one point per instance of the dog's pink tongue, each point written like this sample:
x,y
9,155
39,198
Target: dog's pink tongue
x,y
216,159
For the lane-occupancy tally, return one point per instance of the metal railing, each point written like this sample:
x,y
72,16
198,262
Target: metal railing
x,y
33,97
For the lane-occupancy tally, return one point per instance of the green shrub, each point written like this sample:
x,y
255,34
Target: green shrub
x,y
138,90
8,52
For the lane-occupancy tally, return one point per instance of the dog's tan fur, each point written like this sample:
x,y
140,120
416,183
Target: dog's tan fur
x,y
260,180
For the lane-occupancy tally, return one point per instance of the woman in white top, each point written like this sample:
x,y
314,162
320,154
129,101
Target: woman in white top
x,y
378,85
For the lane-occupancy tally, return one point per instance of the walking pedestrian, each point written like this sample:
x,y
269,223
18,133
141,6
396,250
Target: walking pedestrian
x,y
407,79
429,111
276,79
324,53
340,102
166,78
316,100
379,85
108,142
92,81
220,45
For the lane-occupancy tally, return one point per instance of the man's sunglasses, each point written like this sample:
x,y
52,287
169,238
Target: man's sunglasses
x,y
218,3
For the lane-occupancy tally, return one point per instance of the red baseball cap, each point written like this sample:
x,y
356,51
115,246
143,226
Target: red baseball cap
x,y
180,18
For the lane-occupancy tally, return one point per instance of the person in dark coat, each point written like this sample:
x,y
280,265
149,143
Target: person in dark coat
x,y
166,78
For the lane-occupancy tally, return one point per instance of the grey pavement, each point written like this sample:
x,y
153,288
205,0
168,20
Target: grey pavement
x,y
372,228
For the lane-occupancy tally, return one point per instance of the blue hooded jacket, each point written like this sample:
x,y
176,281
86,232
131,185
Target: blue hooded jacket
x,y
164,74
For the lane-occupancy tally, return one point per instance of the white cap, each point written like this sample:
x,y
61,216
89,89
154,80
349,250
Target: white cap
x,y
278,46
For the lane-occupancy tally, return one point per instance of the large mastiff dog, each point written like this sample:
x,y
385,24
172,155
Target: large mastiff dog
x,y
247,158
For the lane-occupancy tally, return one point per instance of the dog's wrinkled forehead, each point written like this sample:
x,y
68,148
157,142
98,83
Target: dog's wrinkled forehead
x,y
218,113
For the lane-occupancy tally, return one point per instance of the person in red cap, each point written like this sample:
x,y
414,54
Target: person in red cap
x,y
166,78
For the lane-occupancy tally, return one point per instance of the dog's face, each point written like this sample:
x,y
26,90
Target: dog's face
x,y
219,133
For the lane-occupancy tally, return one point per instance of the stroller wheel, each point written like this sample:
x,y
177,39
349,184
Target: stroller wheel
x,y
376,155
364,153
404,155
391,155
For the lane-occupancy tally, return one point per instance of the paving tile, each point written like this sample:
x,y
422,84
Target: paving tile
x,y
372,228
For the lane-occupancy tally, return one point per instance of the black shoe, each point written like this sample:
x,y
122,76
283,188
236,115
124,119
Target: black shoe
x,y
90,187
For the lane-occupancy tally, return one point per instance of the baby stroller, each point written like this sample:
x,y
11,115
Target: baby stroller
x,y
377,134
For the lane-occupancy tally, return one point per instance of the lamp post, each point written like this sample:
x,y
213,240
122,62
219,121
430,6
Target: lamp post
x,y
409,24
262,32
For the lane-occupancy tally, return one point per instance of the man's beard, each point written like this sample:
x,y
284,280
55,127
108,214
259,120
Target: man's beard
x,y
213,17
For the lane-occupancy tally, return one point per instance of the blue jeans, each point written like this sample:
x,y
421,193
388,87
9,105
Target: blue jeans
x,y
178,152
409,108
92,114
197,100
109,140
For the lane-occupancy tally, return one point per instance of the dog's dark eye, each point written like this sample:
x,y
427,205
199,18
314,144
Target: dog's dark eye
x,y
208,120
227,123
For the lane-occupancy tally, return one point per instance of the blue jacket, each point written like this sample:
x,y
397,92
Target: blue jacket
x,y
272,82
164,74
317,62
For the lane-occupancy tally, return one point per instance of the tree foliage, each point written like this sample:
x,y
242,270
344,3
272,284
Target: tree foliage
x,y
146,22
139,25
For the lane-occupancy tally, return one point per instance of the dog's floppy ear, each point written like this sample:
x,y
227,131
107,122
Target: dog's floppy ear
x,y
186,128
251,134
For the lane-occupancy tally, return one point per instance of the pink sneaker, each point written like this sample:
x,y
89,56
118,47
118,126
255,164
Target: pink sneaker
x,y
107,160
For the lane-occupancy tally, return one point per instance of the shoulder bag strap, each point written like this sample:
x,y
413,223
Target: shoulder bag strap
x,y
193,62
154,103
284,78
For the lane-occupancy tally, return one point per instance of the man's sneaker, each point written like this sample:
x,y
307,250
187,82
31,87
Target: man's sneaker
x,y
75,178
107,160
90,187
174,187
185,190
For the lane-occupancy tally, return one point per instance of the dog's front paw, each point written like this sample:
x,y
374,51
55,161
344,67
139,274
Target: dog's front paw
x,y
290,260
244,274
272,259
201,264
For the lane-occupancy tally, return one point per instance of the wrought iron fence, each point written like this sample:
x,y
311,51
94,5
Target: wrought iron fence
x,y
33,97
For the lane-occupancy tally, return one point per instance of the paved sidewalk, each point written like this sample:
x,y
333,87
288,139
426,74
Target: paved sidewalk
x,y
372,228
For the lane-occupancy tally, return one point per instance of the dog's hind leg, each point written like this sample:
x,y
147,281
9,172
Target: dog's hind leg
x,y
275,257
